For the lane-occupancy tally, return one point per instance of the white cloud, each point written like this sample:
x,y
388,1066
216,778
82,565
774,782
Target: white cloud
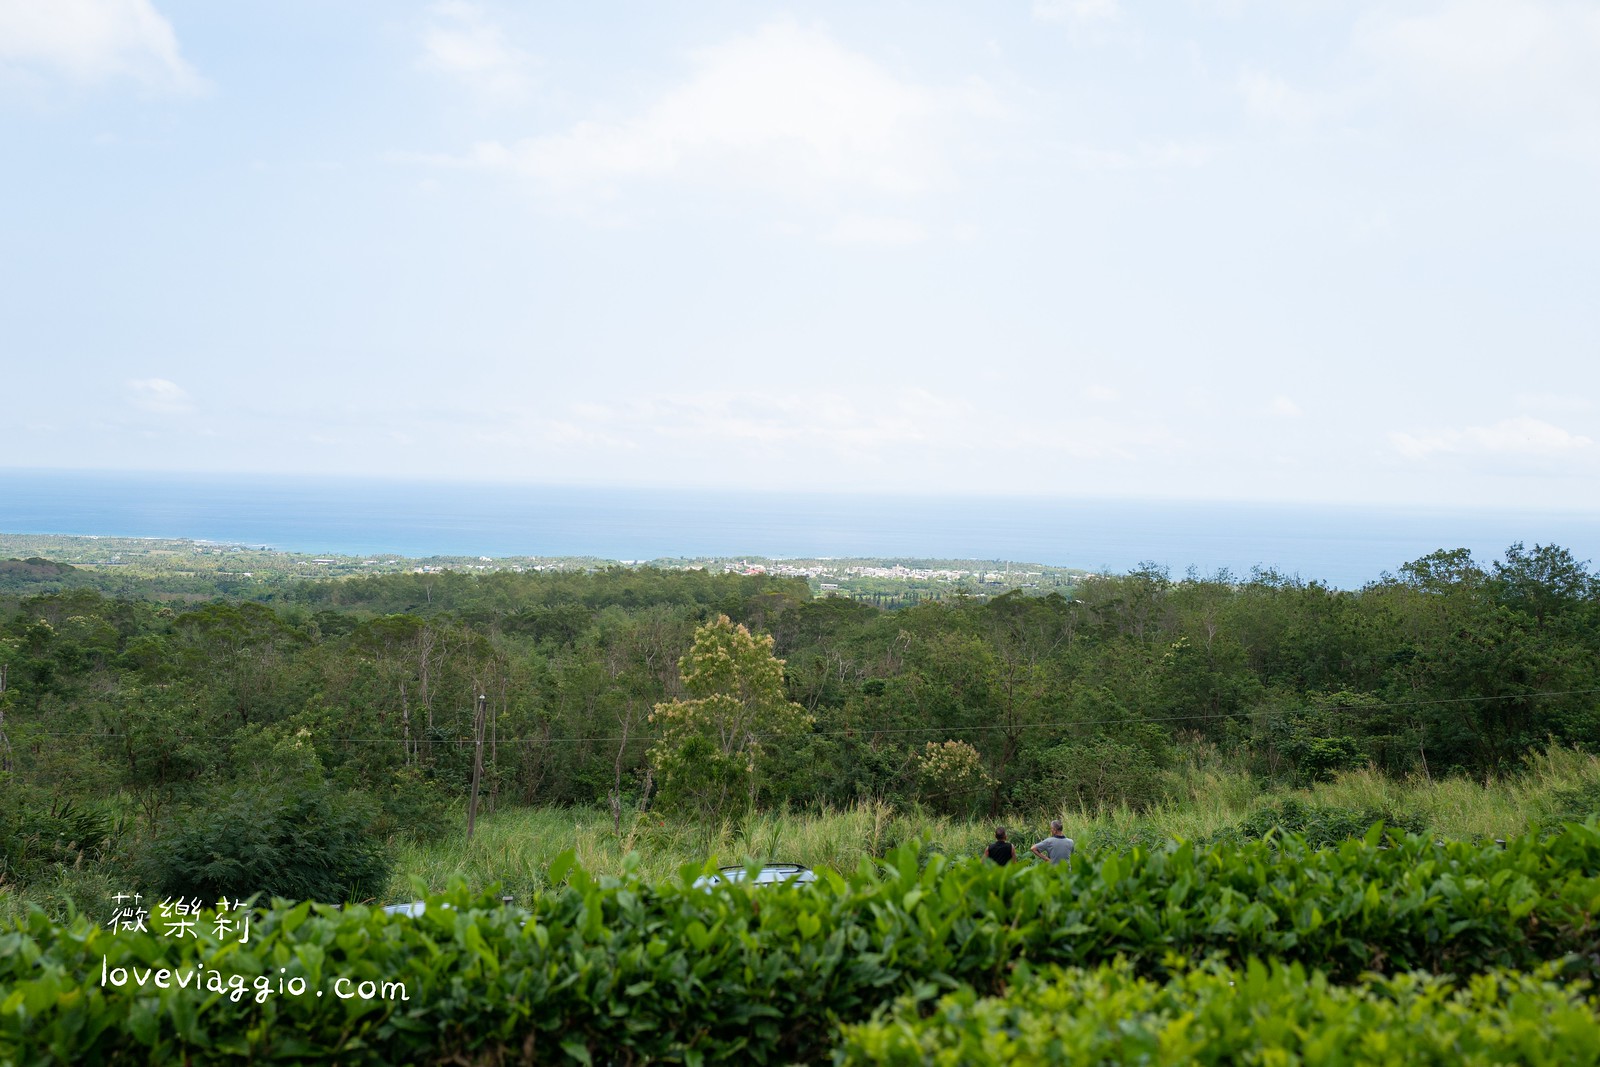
x,y
1074,10
1084,439
817,420
564,434
159,396
1484,51
1528,69
876,230
1101,394
1516,437
1168,155
1228,9
94,41
1554,402
1284,407
834,433
463,44
1267,96
1534,64
787,109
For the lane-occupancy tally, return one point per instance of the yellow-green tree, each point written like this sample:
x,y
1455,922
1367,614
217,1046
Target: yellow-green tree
x,y
713,748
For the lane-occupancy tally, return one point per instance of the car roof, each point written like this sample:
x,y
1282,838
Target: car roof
x,y
766,874
412,908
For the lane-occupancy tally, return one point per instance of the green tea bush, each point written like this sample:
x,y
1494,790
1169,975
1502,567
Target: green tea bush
x,y
618,970
1323,825
1124,839
1259,1013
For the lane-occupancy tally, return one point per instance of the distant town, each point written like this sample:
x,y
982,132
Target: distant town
x,y
879,580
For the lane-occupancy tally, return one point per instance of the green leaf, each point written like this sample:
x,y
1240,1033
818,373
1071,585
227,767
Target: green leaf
x,y
559,868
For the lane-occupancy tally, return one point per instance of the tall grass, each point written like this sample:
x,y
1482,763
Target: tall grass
x,y
1468,808
1204,797
515,846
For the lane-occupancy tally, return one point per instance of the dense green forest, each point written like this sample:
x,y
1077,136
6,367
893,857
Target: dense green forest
x,y
139,732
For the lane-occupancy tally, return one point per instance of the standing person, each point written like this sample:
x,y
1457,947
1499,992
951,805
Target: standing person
x,y
1000,850
1057,848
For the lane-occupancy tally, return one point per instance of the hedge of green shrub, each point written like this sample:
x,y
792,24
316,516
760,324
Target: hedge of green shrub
x,y
1260,1013
619,971
1323,824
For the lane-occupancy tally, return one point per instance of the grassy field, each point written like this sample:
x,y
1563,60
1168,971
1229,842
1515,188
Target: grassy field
x,y
515,846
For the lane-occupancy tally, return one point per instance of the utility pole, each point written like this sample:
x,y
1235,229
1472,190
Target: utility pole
x,y
494,756
477,762
405,720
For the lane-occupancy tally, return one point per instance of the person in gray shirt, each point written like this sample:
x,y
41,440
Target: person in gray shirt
x,y
1057,848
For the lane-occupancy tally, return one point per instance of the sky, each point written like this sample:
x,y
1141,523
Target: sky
x,y
1334,251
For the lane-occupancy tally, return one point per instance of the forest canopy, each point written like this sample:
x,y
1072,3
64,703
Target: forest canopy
x,y
1035,703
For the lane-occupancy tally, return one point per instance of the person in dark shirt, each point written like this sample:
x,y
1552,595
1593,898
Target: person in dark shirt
x,y
1000,850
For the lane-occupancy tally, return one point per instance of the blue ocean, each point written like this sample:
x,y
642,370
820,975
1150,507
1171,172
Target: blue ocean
x,y
1339,546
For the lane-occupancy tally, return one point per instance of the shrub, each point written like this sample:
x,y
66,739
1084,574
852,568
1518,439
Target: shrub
x,y
1574,804
414,807
1124,839
617,970
38,836
950,776
309,842
1264,1012
1094,774
1323,825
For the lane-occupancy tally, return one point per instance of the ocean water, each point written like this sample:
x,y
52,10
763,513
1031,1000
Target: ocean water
x,y
1342,547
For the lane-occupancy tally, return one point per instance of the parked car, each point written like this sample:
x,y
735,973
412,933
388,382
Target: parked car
x,y
410,909
768,874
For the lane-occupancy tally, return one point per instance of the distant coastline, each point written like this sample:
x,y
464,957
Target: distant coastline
x,y
1343,547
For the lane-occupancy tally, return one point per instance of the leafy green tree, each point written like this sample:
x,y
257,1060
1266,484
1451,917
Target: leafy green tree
x,y
714,748
950,776
241,650
1029,636
1093,774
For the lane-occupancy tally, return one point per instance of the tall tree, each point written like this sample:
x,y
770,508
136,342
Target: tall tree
x,y
714,747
